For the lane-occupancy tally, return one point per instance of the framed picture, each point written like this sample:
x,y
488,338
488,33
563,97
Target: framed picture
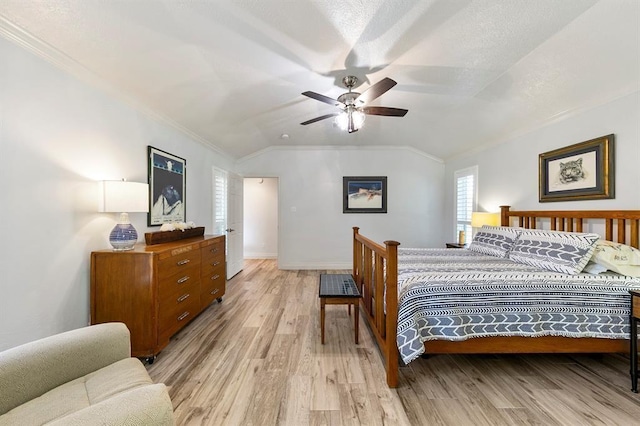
x,y
584,171
364,194
167,185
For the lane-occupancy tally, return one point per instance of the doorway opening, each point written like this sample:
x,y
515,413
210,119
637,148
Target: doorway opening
x,y
260,218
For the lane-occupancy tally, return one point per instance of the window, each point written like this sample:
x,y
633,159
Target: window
x,y
465,199
219,201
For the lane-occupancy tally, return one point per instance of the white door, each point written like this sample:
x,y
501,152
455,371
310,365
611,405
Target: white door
x,y
227,216
235,247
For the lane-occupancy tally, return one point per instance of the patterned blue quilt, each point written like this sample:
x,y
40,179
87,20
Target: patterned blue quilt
x,y
458,294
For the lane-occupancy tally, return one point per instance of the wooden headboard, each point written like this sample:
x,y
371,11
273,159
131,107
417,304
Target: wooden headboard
x,y
574,221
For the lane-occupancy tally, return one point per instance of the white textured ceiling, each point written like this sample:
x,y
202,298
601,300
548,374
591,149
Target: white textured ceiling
x,y
231,73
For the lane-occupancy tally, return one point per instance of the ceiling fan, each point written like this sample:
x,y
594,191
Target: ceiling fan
x,y
353,104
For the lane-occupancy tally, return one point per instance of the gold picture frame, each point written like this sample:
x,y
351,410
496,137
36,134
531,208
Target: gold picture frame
x,y
583,171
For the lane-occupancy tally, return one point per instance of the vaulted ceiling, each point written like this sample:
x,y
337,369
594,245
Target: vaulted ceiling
x,y
230,72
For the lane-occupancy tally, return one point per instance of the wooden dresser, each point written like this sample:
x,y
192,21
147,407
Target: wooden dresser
x,y
157,289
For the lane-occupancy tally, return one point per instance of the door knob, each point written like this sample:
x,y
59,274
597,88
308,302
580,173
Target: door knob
x,y
229,230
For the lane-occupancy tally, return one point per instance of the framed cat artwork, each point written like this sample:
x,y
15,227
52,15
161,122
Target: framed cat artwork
x,y
583,171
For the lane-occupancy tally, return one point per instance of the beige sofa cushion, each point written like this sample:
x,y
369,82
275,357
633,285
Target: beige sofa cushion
x,y
148,405
86,391
30,370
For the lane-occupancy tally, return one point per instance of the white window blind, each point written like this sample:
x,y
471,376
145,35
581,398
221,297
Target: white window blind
x,y
220,201
466,184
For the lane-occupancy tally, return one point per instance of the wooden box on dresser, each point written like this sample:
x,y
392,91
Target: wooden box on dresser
x,y
157,289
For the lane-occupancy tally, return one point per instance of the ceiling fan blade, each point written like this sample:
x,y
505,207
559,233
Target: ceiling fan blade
x,y
393,112
323,98
376,90
322,117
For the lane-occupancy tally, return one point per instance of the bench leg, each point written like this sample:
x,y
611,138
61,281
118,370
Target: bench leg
x,y
322,320
356,314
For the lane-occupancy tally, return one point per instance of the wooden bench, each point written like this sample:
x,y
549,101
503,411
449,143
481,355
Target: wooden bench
x,y
338,289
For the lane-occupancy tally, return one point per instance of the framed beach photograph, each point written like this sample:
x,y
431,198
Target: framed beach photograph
x,y
584,171
364,194
167,185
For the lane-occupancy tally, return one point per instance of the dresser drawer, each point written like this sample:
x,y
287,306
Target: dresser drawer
x,y
214,249
176,283
213,276
213,266
177,260
178,311
213,286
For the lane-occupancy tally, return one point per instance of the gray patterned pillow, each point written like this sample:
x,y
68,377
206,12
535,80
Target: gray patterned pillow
x,y
565,252
494,240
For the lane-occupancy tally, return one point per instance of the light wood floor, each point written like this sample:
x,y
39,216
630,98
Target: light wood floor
x,y
256,359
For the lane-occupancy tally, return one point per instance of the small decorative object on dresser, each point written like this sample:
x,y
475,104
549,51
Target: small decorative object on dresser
x,y
157,289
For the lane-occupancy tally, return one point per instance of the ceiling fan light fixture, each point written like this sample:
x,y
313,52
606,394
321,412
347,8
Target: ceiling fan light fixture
x,y
353,106
358,118
342,120
351,119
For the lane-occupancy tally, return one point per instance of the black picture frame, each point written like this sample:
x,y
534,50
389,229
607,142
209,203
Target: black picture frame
x,y
167,187
364,194
583,171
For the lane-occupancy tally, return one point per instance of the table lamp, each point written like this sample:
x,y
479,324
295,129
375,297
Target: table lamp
x,y
123,197
479,219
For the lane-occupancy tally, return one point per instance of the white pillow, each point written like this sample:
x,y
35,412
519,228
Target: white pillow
x,y
617,257
594,268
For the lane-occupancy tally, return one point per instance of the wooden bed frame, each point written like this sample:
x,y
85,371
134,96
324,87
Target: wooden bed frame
x,y
375,263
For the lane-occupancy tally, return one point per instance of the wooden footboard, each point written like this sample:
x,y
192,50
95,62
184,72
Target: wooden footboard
x,y
376,266
373,267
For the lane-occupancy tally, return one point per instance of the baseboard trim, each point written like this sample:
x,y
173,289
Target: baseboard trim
x,y
314,266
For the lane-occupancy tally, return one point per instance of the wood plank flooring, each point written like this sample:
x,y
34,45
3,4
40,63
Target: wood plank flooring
x,y
256,359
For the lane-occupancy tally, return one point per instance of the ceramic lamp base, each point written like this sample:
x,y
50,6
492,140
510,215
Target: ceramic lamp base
x,y
123,236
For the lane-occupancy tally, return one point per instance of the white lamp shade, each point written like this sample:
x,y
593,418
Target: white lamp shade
x,y
117,196
479,219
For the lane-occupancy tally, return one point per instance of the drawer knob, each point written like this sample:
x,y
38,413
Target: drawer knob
x,y
215,291
215,263
184,262
183,297
215,277
183,316
183,279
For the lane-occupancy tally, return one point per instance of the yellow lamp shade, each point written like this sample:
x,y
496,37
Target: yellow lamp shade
x,y
479,219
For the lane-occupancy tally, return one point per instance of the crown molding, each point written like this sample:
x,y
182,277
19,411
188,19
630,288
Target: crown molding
x,y
558,117
338,148
62,61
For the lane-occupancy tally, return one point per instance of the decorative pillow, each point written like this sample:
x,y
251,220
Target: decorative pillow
x,y
565,252
594,268
617,257
494,240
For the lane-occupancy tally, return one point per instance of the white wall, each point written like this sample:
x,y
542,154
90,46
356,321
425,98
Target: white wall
x,y
508,172
315,234
260,218
57,137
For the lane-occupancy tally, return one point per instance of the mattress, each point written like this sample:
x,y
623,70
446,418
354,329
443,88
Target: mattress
x,y
458,294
